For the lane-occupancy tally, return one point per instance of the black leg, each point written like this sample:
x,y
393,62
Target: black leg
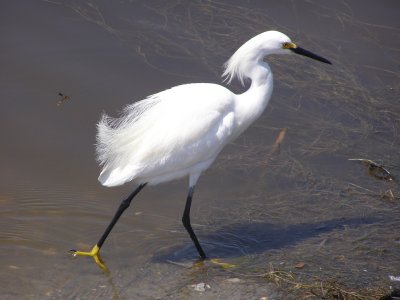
x,y
186,223
124,205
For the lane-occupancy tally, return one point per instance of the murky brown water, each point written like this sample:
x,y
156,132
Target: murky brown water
x,y
306,204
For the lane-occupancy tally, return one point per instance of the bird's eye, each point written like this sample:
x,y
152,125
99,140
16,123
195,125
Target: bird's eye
x,y
287,45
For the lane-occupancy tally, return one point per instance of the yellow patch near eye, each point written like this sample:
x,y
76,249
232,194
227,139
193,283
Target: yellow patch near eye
x,y
289,46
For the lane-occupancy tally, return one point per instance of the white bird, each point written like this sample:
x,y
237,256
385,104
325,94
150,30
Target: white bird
x,y
180,131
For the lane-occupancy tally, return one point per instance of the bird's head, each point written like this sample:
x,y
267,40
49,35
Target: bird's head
x,y
275,42
255,49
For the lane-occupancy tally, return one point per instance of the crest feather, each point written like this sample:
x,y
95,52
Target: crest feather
x,y
235,67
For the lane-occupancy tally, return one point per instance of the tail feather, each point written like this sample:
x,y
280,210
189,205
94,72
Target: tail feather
x,y
116,139
116,176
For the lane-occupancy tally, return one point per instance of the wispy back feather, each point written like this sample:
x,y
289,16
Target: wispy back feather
x,y
112,133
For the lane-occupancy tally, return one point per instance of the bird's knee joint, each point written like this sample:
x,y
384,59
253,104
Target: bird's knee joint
x,y
186,221
125,204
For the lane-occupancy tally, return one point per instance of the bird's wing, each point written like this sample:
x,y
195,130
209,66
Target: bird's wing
x,y
174,129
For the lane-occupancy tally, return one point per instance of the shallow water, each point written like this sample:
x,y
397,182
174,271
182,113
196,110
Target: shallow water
x,y
254,208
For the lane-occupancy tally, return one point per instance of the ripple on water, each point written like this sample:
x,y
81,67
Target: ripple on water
x,y
49,215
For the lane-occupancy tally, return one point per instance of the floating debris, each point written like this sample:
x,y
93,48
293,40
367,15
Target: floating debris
x,y
394,278
374,169
300,265
63,99
200,287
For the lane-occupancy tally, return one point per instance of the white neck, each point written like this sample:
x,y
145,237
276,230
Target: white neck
x,y
251,104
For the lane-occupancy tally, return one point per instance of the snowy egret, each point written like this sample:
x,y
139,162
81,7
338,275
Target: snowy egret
x,y
180,131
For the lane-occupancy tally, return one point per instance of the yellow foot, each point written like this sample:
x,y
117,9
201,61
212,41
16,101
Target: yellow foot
x,y
222,264
215,261
93,253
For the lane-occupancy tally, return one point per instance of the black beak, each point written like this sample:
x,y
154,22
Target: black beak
x,y
307,53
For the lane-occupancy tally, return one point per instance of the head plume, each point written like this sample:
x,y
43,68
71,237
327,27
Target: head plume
x,y
254,50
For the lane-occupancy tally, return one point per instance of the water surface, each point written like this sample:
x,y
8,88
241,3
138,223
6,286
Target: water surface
x,y
306,203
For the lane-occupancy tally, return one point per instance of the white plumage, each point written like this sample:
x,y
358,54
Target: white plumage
x,y
179,132
168,135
